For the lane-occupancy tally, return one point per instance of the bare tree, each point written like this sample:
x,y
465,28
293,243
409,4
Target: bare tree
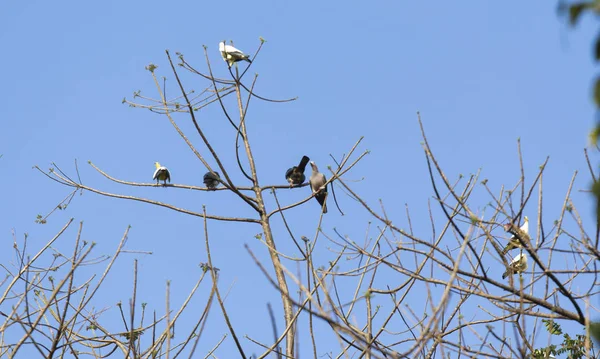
x,y
364,295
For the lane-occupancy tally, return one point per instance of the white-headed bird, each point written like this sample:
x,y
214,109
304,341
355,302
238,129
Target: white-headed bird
x,y
517,265
232,55
211,179
513,242
295,175
161,173
317,184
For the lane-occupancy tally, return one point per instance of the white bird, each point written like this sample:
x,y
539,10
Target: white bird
x,y
317,182
232,55
161,173
513,242
517,265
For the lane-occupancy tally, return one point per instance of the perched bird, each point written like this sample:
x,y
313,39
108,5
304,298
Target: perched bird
x,y
295,175
161,173
317,181
513,242
231,54
211,180
517,265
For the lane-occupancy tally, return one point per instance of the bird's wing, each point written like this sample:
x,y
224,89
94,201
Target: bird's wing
x,y
233,51
156,173
313,184
289,172
321,180
515,260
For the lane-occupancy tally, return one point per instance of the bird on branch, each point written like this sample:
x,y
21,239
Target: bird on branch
x,y
517,265
232,55
295,175
513,242
317,184
211,179
161,173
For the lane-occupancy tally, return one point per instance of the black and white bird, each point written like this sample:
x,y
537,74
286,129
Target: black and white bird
x,y
211,180
232,55
517,265
161,173
295,175
514,242
317,184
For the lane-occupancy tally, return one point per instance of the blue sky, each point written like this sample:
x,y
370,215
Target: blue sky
x,y
481,75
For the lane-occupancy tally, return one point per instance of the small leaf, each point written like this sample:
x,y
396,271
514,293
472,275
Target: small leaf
x,y
576,10
552,327
594,134
595,330
597,92
597,52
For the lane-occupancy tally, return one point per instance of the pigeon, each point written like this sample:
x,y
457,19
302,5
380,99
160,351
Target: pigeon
x,y
161,173
518,265
232,55
295,175
211,179
514,242
317,181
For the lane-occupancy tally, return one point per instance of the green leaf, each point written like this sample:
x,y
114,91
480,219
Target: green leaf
x,y
595,330
597,92
552,327
594,135
576,10
597,49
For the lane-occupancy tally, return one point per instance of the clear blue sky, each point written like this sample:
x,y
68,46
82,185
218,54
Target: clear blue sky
x,y
482,74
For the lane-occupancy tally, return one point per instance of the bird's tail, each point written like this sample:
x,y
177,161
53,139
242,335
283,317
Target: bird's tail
x,y
505,274
303,163
247,59
324,207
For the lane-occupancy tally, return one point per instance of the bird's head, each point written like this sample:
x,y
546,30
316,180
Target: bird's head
x,y
526,219
314,166
222,45
157,165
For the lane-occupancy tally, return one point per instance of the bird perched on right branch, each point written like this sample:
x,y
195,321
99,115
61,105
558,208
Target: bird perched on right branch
x,y
295,175
317,184
513,242
517,265
211,180
231,54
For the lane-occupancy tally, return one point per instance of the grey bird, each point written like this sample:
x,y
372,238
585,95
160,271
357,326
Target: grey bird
x,y
295,175
317,184
211,180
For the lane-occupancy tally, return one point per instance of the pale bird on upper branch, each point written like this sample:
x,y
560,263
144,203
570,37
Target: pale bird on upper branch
x,y
161,173
232,55
513,242
517,265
